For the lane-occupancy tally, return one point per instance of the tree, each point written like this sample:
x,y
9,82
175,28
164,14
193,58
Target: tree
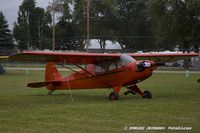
x,y
32,22
79,20
22,29
6,39
65,27
103,16
133,25
176,22
122,21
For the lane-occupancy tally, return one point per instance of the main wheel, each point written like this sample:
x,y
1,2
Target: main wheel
x,y
114,96
147,94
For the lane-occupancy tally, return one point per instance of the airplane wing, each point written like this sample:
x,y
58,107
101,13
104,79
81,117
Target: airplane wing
x,y
164,57
64,57
92,58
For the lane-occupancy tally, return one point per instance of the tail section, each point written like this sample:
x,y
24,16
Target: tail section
x,y
52,73
43,84
52,78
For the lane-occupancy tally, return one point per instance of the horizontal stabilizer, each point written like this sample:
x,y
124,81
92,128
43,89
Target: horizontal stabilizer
x,y
43,84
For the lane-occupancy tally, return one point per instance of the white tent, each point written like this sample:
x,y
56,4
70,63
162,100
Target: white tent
x,y
94,44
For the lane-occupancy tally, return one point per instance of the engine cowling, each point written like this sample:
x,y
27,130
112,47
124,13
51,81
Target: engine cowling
x,y
142,65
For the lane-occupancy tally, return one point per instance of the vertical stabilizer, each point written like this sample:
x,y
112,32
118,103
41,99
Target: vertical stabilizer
x,y
52,73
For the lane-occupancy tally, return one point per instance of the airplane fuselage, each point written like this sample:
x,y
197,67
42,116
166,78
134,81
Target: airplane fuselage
x,y
123,76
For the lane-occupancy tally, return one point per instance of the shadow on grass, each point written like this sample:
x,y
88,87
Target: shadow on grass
x,y
41,98
64,98
89,97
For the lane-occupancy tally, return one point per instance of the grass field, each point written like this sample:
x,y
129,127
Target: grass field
x,y
175,103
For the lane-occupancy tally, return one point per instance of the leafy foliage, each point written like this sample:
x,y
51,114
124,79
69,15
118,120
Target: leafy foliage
x,y
176,22
31,26
6,39
136,24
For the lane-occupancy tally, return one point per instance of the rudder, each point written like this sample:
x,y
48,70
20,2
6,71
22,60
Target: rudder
x,y
51,73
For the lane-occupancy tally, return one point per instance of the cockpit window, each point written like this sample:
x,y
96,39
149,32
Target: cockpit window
x,y
113,64
126,59
107,65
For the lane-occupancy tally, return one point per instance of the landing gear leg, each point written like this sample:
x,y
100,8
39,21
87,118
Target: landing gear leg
x,y
115,94
134,89
51,91
129,91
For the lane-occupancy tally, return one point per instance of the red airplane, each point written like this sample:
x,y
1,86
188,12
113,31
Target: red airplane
x,y
102,70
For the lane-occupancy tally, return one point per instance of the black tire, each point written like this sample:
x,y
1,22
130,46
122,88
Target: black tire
x,y
114,96
147,94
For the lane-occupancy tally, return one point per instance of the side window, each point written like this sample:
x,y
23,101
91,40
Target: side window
x,y
115,65
112,66
99,69
119,64
106,66
102,67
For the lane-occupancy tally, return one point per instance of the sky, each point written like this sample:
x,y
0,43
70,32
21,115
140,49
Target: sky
x,y
10,8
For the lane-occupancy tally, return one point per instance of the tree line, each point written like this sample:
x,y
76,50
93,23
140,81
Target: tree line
x,y
136,24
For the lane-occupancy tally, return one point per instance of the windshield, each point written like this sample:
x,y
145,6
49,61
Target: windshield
x,y
126,59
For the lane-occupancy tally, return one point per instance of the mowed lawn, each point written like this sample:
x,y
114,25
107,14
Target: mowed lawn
x,y
175,102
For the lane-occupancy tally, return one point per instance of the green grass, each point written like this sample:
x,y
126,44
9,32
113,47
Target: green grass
x,y
175,102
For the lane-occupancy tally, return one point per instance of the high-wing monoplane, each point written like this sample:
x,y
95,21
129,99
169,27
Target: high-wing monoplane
x,y
101,70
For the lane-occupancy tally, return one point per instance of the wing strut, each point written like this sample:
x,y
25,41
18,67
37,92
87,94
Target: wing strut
x,y
71,69
110,86
69,86
93,75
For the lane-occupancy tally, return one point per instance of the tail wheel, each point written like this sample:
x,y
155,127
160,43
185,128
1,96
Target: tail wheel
x,y
147,94
51,91
114,96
